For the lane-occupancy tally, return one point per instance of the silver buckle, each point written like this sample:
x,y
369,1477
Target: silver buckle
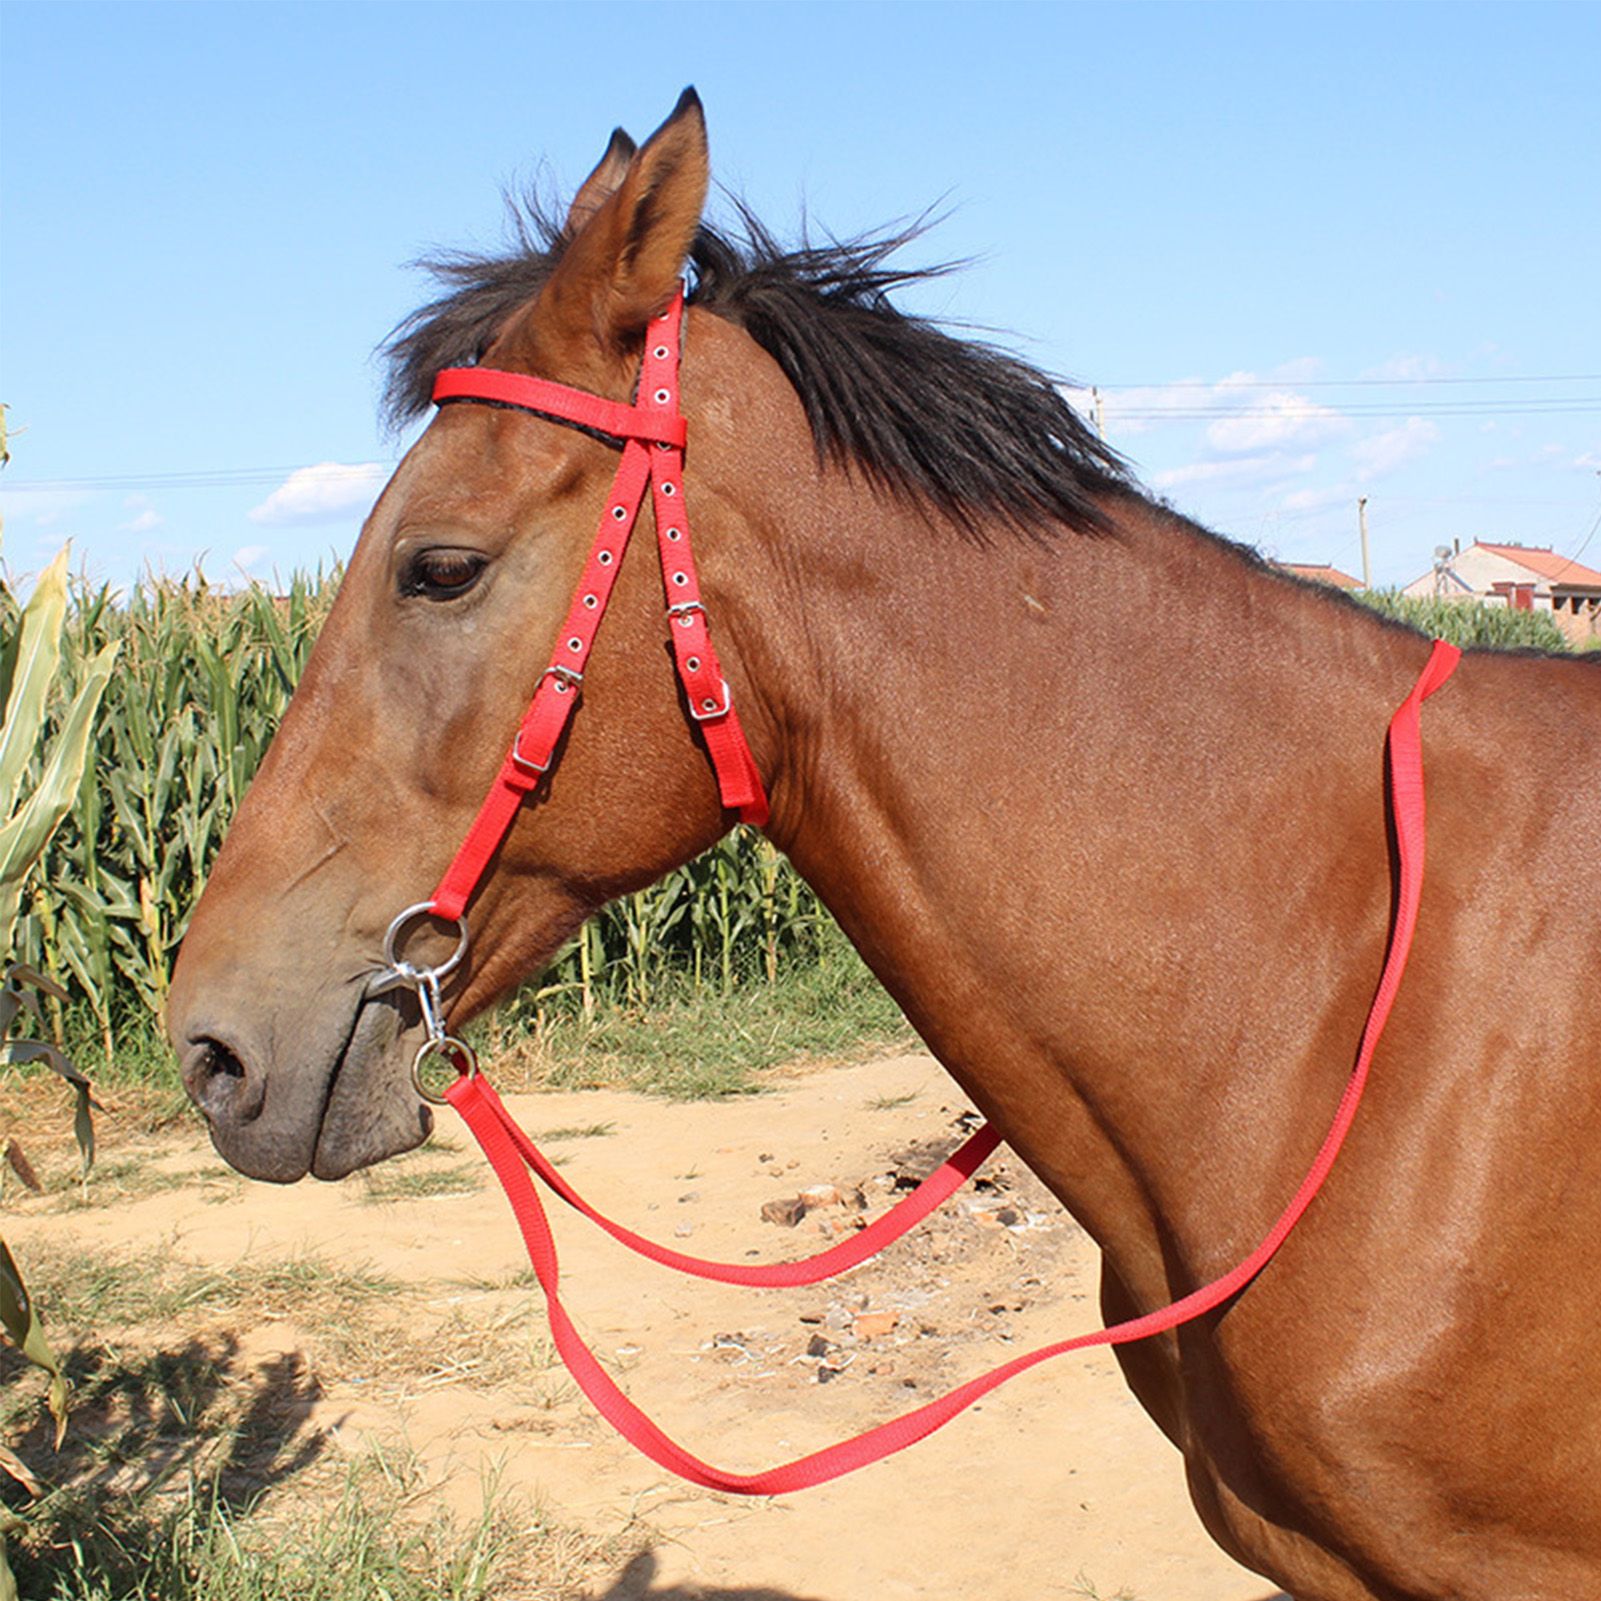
x,y
563,675
526,763
716,711
684,608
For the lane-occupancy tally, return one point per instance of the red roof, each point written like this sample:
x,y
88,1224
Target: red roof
x,y
1321,574
1550,566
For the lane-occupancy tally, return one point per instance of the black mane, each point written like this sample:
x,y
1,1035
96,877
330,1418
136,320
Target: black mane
x,y
950,424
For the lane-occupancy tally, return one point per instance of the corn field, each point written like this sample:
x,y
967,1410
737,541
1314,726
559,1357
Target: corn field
x,y
202,680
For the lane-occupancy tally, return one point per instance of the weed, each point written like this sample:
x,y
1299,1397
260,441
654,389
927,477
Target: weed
x,y
576,1131
391,1183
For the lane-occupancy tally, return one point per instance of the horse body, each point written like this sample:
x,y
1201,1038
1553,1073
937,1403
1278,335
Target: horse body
x,y
1104,811
1051,843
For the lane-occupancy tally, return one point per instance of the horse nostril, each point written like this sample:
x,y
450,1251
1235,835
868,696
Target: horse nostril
x,y
218,1083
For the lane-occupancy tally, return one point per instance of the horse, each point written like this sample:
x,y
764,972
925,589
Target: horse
x,y
1099,796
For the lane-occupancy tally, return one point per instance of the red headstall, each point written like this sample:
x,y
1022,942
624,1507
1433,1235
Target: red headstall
x,y
653,432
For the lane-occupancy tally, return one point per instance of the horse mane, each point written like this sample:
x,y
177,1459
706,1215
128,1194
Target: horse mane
x,y
951,425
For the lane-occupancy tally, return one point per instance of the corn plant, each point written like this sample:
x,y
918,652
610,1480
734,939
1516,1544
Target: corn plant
x,y
1467,622
41,772
202,682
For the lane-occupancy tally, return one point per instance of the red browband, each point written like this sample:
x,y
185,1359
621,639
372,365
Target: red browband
x,y
654,432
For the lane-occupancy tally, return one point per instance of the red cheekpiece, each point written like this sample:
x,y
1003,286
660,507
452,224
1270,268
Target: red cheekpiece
x,y
654,432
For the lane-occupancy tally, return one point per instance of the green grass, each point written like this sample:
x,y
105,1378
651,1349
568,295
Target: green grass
x,y
216,1529
195,1470
695,1044
404,1182
83,1291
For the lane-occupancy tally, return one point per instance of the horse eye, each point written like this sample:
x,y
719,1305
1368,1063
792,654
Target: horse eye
x,y
442,574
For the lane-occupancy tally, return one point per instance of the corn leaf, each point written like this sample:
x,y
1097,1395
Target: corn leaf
x,y
20,1471
22,1327
8,1583
38,652
25,836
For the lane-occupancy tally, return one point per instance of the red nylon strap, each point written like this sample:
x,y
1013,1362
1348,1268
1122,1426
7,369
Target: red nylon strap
x,y
557,400
507,1148
655,431
906,1214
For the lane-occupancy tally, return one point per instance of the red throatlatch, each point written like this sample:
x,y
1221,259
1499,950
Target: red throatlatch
x,y
654,433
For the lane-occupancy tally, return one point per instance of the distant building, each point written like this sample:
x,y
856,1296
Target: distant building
x,y
1320,574
1524,577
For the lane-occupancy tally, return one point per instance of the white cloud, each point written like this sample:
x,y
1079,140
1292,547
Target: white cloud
x,y
142,523
247,556
1306,500
1128,412
1590,461
328,492
1267,468
1383,453
1401,369
1298,370
1275,418
42,507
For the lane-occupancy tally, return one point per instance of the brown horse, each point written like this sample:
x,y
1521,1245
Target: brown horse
x,y
1098,795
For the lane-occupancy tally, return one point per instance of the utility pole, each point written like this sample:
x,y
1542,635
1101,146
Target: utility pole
x,y
1362,521
1100,421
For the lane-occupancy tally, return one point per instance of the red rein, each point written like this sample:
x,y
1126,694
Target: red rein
x,y
655,432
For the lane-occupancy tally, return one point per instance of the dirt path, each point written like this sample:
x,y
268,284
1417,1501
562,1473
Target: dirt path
x,y
1058,1486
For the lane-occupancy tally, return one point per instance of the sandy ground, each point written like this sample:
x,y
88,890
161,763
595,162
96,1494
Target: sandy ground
x,y
1057,1486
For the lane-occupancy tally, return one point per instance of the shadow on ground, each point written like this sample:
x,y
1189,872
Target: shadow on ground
x,y
637,1582
191,1433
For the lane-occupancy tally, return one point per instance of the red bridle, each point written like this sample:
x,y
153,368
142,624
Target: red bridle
x,y
654,433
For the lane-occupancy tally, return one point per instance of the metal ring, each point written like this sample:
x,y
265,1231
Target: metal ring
x,y
405,969
457,1052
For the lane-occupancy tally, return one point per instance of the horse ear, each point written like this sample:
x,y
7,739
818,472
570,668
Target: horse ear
x,y
601,184
623,265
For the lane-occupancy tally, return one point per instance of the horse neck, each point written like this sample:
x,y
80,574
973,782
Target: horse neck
x,y
1105,815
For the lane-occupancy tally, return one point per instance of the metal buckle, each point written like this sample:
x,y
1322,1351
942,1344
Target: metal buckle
x,y
527,764
562,675
716,711
686,609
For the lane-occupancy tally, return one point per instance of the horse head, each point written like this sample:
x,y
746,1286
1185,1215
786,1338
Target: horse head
x,y
445,617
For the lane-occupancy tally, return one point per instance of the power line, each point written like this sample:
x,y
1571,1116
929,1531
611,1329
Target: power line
x,y
1356,383
1578,406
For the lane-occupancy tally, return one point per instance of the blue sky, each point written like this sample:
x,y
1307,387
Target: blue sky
x,y
1254,228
